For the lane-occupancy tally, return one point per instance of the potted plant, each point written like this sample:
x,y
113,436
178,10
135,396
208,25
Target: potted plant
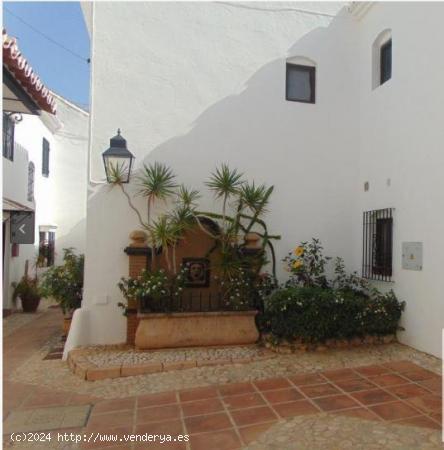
x,y
28,291
65,284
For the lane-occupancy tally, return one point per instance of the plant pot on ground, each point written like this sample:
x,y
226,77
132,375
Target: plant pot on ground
x,y
29,293
64,284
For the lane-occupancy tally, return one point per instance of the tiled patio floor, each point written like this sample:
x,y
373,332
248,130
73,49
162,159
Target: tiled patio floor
x,y
230,416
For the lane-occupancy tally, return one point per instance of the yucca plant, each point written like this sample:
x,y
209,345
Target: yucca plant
x,y
256,199
156,182
163,234
187,197
225,182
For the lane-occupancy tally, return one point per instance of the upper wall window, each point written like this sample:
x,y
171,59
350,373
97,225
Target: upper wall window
x,y
300,83
45,158
386,62
382,58
8,137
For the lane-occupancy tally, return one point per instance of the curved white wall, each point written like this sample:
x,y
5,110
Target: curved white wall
x,y
197,84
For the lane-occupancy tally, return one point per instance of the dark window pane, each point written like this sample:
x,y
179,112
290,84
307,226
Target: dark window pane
x,y
45,158
377,245
8,137
386,61
300,84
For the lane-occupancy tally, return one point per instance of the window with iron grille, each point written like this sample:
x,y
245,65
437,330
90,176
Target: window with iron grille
x,y
377,244
45,158
300,83
386,61
31,173
8,137
46,248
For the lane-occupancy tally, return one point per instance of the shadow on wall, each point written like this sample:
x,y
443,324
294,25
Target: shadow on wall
x,y
297,147
75,237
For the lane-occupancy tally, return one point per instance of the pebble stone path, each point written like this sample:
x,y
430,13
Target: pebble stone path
x,y
389,403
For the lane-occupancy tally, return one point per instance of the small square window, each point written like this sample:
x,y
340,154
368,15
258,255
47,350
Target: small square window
x,y
300,84
386,61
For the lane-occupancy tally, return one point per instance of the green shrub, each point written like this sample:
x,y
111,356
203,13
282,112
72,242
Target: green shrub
x,y
315,314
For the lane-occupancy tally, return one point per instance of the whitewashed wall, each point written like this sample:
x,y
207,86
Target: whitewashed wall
x,y
60,198
197,84
401,155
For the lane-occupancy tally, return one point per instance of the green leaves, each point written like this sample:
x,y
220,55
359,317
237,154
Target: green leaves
x,y
254,197
156,181
117,173
225,181
187,197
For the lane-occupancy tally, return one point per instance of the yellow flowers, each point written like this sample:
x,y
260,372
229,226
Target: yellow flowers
x,y
299,251
297,264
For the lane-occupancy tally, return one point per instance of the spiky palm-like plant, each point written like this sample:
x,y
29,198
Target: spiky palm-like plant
x,y
163,235
187,197
225,183
256,199
156,182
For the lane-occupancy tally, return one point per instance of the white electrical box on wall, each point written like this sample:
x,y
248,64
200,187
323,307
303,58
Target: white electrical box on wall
x,y
412,255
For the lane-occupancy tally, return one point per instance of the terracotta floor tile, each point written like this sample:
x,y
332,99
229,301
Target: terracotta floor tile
x,y
83,399
251,416
394,410
252,432
200,407
119,404
420,375
272,383
173,427
401,366
282,395
236,388
355,385
373,396
197,393
296,408
389,379
108,420
221,440
407,390
341,374
335,402
373,370
420,421
429,403
309,378
243,401
160,446
319,390
209,422
437,417
360,413
433,384
44,397
158,413
161,398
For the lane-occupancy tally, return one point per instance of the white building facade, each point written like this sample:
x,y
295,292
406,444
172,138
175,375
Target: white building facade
x,y
46,174
194,85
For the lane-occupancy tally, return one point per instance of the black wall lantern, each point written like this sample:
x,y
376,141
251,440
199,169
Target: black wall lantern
x,y
118,160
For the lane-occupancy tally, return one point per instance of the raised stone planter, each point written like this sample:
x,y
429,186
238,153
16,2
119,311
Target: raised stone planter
x,y
195,329
285,347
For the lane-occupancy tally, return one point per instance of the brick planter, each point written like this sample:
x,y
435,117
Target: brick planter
x,y
175,330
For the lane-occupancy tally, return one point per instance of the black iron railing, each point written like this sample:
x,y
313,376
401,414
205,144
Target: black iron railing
x,y
377,255
196,302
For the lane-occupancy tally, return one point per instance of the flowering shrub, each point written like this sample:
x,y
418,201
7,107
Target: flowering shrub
x,y
65,283
313,308
152,289
314,314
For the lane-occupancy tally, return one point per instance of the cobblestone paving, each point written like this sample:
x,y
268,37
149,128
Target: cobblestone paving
x,y
327,431
270,404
